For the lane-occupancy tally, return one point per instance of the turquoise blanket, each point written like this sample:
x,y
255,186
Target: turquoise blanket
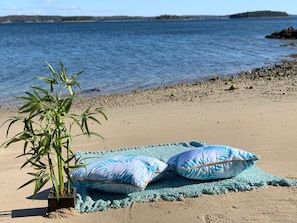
x,y
168,189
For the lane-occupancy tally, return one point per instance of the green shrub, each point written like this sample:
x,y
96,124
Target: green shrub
x,y
46,135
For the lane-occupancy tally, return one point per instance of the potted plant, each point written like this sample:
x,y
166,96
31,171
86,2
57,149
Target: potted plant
x,y
48,121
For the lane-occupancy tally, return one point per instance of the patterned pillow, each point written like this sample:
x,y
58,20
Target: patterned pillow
x,y
212,162
120,174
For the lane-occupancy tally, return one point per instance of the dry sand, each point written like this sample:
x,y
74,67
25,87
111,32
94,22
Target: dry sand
x,y
260,116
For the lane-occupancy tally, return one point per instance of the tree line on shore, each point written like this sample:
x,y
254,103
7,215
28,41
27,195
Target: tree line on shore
x,y
258,14
40,18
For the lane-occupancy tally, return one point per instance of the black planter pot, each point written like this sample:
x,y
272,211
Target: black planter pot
x,y
68,201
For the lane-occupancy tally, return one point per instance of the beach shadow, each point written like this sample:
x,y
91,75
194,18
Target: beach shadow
x,y
99,195
43,195
30,212
170,182
4,214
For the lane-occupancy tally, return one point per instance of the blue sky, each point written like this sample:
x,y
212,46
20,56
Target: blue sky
x,y
141,7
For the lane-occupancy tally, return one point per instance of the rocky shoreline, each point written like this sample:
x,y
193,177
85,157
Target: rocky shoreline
x,y
289,33
272,82
280,78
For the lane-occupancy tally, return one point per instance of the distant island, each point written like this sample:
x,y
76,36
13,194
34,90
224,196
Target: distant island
x,y
259,14
166,17
48,19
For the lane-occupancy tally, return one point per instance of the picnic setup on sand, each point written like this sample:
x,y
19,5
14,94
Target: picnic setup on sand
x,y
118,178
110,179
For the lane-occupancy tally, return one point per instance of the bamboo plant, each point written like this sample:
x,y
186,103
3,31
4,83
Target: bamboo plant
x,y
46,135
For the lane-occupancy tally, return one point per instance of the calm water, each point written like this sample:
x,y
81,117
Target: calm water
x,y
124,56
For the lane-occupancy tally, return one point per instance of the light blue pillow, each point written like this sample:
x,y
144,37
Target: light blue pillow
x,y
212,162
120,174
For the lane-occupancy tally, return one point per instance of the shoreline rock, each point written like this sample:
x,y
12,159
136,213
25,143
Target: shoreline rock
x,y
280,74
289,33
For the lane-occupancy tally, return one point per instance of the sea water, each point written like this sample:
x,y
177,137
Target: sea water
x,y
120,57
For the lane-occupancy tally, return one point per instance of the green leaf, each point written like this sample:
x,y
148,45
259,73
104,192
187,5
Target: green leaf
x,y
34,162
54,73
101,112
77,75
77,166
96,134
40,89
11,141
11,121
51,68
47,80
39,183
69,160
27,183
95,120
66,104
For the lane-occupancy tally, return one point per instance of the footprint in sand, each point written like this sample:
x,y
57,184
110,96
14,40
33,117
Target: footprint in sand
x,y
216,219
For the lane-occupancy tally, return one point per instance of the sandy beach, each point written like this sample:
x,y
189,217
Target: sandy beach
x,y
257,114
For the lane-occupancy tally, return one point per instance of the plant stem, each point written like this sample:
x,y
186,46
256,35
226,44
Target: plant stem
x,y
68,164
61,176
52,171
59,157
